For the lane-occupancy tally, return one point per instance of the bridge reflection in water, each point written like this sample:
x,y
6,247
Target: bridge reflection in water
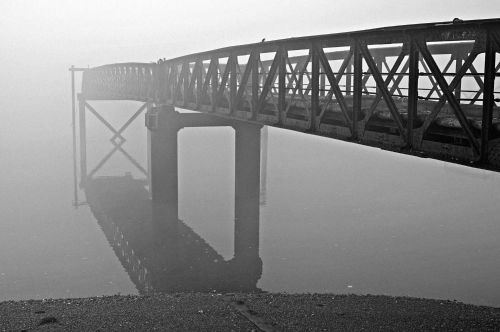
x,y
158,250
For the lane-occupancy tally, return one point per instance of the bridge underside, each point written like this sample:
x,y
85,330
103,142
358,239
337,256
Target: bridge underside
x,y
427,89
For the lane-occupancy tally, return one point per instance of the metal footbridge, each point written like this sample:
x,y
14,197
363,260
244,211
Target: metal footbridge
x,y
424,89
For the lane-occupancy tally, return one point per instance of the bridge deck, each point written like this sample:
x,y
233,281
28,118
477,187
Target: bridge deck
x,y
424,89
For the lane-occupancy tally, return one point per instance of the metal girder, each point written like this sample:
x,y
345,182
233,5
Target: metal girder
x,y
255,84
412,90
314,82
214,81
282,84
489,90
300,82
233,82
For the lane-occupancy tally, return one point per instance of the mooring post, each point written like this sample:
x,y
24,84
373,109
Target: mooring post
x,y
163,126
247,190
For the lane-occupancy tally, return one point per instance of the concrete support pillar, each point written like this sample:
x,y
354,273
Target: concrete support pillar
x,y
263,164
148,152
163,127
247,191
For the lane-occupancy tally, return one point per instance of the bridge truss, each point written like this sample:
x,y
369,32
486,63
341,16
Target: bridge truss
x,y
426,89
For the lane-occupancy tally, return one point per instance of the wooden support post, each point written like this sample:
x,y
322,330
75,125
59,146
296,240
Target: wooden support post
x,y
247,190
314,86
412,91
357,89
83,141
488,99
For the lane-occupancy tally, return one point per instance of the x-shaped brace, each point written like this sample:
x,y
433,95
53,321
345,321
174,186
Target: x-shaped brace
x,y
447,90
117,134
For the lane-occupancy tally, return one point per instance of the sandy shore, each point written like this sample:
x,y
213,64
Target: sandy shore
x,y
247,312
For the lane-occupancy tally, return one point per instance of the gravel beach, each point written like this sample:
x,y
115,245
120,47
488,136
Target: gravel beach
x,y
247,312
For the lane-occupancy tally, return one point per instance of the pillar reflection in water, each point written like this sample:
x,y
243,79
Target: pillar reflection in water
x,y
159,251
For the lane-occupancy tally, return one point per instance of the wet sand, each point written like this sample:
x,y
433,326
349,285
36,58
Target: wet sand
x,y
247,312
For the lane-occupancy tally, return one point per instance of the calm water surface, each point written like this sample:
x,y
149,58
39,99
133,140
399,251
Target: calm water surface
x,y
333,217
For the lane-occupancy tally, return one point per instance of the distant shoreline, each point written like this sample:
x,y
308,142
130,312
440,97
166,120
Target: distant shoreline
x,y
244,312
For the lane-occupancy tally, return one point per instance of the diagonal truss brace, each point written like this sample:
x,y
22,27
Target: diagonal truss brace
x,y
453,84
335,88
389,78
116,134
448,92
383,89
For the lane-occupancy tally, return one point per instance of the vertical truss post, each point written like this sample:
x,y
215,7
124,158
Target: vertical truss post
x,y
322,84
255,84
169,83
156,81
282,85
185,95
199,83
379,64
412,90
83,141
357,88
233,82
215,82
348,80
488,93
314,85
458,64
